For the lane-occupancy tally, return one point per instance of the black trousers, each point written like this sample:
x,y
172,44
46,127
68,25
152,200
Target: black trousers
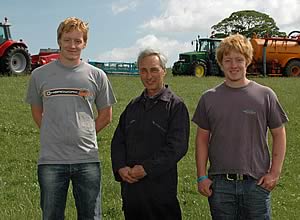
x,y
147,200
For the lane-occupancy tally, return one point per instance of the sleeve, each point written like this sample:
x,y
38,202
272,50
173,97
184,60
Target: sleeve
x,y
200,116
118,147
276,115
104,95
177,142
33,96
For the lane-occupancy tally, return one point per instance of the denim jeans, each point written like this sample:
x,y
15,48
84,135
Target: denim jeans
x,y
54,182
239,200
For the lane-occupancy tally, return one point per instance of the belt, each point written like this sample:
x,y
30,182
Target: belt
x,y
234,177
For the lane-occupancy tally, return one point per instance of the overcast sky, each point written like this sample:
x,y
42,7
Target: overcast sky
x,y
120,29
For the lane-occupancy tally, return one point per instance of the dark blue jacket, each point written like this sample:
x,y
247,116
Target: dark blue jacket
x,y
154,133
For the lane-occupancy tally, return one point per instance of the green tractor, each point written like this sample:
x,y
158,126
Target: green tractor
x,y
201,62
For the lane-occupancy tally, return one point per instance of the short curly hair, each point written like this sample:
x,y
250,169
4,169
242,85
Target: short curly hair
x,y
238,43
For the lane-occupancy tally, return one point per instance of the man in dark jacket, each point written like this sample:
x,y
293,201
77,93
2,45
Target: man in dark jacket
x,y
151,137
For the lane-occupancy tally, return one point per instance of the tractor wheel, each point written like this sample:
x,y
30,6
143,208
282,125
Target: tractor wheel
x,y
293,68
200,69
215,70
291,34
16,61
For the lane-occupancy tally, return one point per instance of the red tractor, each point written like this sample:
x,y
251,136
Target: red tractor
x,y
14,56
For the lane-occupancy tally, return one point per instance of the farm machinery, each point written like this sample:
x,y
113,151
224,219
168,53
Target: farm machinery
x,y
14,56
200,62
276,56
122,68
272,56
43,57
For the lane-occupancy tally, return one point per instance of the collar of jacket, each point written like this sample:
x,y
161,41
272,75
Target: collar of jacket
x,y
164,96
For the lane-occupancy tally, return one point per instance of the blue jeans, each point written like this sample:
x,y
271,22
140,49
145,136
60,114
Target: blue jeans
x,y
239,200
54,182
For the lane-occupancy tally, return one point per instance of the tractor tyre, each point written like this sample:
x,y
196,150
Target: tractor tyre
x,y
290,35
215,70
293,68
16,61
200,69
176,69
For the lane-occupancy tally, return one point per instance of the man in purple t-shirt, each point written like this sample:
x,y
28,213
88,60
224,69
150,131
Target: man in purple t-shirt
x,y
233,119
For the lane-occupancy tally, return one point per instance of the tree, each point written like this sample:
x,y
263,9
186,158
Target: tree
x,y
247,22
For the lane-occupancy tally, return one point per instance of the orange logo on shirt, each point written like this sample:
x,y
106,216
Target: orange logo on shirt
x,y
84,93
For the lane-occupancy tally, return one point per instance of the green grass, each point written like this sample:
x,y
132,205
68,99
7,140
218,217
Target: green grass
x,y
19,147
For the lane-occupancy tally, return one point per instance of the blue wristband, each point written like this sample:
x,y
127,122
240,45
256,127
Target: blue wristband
x,y
201,178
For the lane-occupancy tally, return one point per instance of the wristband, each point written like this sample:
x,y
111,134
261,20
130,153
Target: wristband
x,y
201,178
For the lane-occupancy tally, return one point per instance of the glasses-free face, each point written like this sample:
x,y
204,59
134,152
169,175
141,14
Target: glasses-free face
x,y
234,66
152,74
71,44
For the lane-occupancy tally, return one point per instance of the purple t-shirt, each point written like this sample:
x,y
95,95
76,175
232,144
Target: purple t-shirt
x,y
238,120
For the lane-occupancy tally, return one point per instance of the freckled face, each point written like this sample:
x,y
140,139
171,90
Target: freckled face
x,y
234,67
71,44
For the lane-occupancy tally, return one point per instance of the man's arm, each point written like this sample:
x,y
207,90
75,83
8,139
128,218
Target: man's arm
x,y
104,118
37,114
278,150
118,152
270,180
201,154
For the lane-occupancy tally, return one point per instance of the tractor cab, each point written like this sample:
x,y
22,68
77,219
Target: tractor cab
x,y
207,44
4,31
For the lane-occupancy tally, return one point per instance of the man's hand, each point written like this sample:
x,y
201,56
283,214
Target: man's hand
x,y
204,187
268,181
125,175
137,172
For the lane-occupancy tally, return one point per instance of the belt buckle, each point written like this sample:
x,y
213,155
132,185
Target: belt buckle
x,y
228,178
238,177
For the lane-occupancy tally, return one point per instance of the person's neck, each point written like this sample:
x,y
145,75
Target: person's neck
x,y
237,84
70,63
154,93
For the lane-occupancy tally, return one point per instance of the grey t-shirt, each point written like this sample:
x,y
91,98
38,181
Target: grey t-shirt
x,y
67,95
238,120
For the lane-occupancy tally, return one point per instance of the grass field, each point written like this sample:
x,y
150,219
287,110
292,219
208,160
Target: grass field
x,y
19,147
